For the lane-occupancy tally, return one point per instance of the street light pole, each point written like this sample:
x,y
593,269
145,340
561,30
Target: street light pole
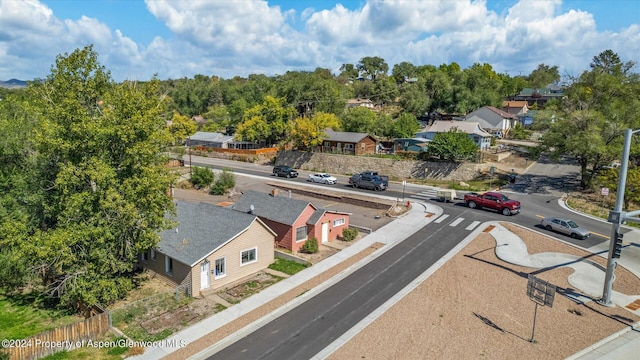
x,y
616,217
189,147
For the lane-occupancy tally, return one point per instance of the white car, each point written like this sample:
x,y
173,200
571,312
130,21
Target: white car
x,y
322,178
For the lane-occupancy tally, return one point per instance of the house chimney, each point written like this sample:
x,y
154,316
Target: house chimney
x,y
251,208
274,192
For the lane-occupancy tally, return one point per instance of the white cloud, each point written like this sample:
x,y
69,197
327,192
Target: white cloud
x,y
228,38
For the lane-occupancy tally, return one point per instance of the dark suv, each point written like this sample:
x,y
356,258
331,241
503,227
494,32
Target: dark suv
x,y
284,171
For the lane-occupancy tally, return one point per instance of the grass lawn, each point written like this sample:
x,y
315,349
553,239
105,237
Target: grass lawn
x,y
287,266
93,353
23,316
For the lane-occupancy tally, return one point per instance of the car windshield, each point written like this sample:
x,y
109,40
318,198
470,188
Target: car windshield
x,y
324,175
572,224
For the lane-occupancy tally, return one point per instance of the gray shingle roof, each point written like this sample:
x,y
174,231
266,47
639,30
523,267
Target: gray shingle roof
x,y
348,137
202,228
281,209
313,219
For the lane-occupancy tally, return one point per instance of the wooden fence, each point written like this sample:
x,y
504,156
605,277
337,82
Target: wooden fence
x,y
68,337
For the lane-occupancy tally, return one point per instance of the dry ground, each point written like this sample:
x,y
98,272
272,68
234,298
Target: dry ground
x,y
475,306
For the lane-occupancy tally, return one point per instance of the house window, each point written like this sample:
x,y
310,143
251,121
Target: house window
x,y
221,268
327,144
362,146
348,146
154,257
249,256
144,257
338,222
168,265
301,233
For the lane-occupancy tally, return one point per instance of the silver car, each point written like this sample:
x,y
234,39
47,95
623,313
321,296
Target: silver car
x,y
565,226
322,178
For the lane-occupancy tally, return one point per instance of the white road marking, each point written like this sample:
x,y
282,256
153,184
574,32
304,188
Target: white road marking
x,y
441,218
473,225
456,221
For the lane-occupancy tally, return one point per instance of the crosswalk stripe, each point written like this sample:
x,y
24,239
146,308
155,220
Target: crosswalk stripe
x,y
473,225
456,222
441,218
426,195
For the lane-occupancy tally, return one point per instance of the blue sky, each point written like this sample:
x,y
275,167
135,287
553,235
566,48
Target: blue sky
x,y
136,39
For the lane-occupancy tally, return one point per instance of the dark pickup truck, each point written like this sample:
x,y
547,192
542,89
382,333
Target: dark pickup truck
x,y
384,178
371,182
492,200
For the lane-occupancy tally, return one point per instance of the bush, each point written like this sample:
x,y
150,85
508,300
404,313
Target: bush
x,y
310,246
227,179
201,177
349,234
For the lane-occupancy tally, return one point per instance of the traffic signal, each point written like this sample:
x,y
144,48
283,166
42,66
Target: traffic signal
x,y
617,246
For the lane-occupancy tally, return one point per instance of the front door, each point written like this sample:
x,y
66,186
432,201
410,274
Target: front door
x,y
325,232
204,275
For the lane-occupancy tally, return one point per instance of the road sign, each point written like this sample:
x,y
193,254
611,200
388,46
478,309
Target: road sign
x,y
540,291
604,191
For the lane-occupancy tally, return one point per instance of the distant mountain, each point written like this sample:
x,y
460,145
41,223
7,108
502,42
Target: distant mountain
x,y
13,84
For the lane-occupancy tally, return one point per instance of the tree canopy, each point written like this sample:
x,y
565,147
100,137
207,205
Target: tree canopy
x,y
97,151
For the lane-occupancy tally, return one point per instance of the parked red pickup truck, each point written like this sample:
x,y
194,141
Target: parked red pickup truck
x,y
492,200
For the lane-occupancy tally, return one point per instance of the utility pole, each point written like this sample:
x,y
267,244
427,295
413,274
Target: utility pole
x,y
189,147
617,217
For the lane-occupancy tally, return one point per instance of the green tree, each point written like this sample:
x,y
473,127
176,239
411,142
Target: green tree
x,y
99,151
403,70
309,132
609,178
270,121
599,105
370,67
405,126
201,177
359,119
226,181
349,71
414,98
181,127
16,192
452,146
543,75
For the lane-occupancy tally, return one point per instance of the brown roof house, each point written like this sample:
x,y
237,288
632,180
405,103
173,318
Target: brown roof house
x,y
473,129
293,220
212,246
353,143
514,107
493,120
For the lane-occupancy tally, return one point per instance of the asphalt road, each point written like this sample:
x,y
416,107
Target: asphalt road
x,y
307,329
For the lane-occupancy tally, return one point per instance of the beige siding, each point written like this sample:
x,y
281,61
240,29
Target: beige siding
x,y
257,236
180,270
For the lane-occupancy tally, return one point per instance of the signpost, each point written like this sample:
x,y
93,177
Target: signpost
x,y
604,192
404,182
492,169
542,293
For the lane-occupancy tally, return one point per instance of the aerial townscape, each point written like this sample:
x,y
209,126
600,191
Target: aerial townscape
x,y
369,209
